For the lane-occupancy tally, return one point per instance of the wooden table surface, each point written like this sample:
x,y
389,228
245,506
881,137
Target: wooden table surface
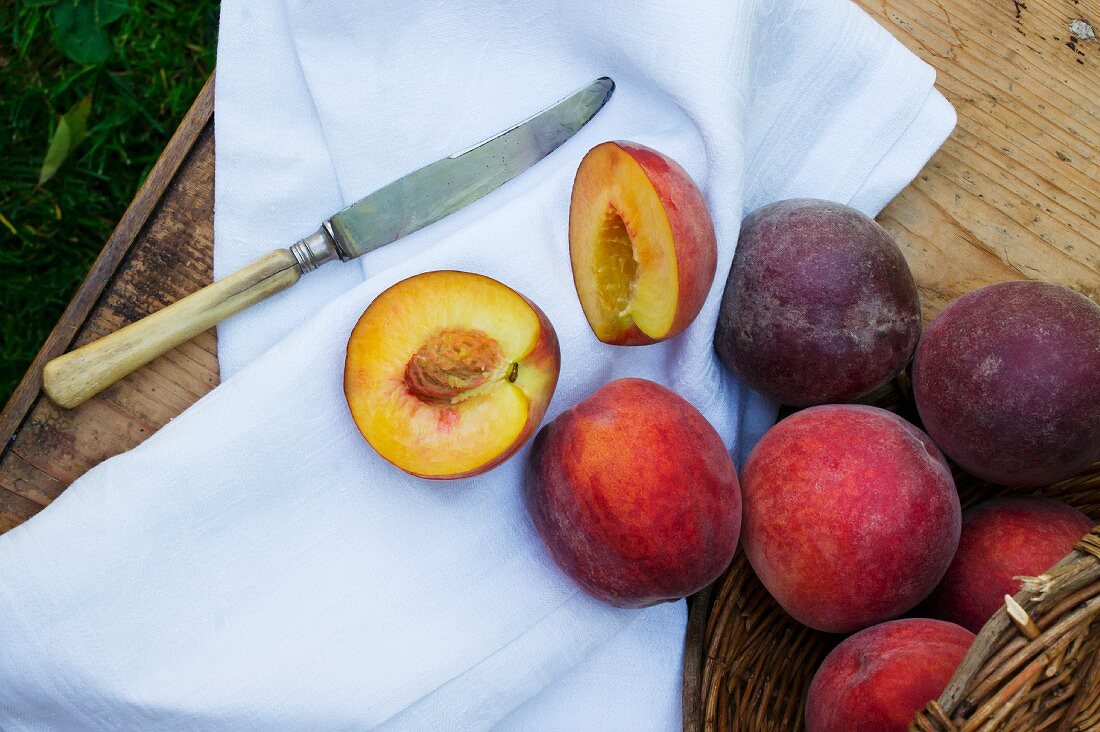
x,y
1014,193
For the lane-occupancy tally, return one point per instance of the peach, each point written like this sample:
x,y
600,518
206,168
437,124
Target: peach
x,y
449,373
819,306
634,495
641,243
1003,539
851,515
878,679
1007,382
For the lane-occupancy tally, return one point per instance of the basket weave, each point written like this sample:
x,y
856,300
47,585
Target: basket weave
x,y
748,665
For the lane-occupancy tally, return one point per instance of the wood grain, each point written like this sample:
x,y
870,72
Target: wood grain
x,y
1015,191
160,252
148,197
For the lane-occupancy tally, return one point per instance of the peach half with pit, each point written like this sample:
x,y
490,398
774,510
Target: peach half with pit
x,y
641,242
449,373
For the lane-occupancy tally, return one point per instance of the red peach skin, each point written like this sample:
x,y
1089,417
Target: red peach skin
x,y
879,678
635,495
851,516
1003,539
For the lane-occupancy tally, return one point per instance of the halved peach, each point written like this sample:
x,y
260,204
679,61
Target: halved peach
x,y
449,373
641,242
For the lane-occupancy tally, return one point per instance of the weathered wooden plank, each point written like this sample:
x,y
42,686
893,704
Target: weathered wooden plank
x,y
15,509
148,198
1015,191
168,256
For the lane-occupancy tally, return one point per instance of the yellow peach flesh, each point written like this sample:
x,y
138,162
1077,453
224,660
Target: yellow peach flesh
x,y
435,377
622,247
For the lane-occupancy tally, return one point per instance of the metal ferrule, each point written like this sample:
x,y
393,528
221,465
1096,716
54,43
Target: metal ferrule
x,y
314,250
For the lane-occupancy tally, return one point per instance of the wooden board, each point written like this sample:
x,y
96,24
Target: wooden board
x,y
160,251
1014,193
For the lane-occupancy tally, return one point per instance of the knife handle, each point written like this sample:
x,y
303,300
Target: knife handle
x,y
81,374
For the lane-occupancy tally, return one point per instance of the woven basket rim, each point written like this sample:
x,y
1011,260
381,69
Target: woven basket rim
x,y
1079,570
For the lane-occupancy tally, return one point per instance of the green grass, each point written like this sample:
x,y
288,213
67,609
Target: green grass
x,y
162,52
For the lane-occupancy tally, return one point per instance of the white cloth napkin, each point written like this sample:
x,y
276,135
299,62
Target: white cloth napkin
x,y
255,565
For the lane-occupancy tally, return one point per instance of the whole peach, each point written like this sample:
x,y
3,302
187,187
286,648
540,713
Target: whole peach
x,y
1003,539
635,495
1007,382
879,678
819,305
851,515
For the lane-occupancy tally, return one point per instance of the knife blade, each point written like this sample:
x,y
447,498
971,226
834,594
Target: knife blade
x,y
437,190
408,204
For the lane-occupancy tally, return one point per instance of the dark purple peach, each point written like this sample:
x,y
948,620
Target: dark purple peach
x,y
1007,382
819,305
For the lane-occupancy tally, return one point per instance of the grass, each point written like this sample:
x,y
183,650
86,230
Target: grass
x,y
161,53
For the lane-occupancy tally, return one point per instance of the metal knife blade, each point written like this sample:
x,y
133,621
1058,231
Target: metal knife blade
x,y
443,187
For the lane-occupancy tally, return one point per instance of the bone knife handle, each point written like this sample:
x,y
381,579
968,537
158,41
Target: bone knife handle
x,y
81,374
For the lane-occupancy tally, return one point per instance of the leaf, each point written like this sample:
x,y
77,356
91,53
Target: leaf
x,y
71,129
79,27
108,11
77,34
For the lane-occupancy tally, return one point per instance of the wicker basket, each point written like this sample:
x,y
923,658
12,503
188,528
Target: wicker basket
x,y
748,665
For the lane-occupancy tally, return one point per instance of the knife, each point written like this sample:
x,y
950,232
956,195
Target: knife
x,y
402,207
